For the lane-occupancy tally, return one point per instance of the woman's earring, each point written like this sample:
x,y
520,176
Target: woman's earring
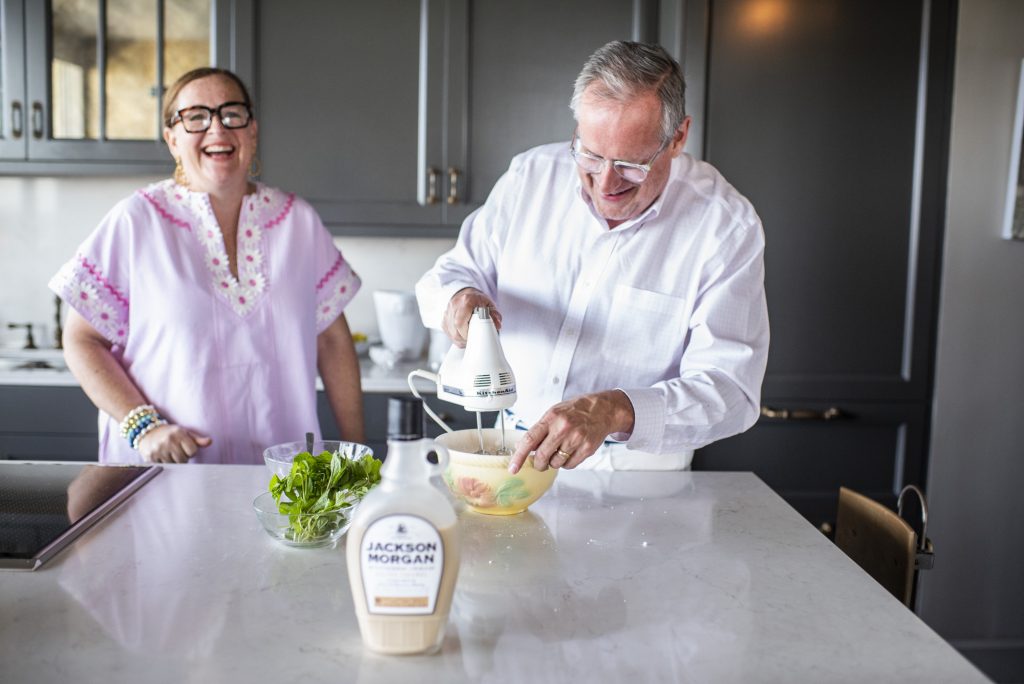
x,y
255,168
179,174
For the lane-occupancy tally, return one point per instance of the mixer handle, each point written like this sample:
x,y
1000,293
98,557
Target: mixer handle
x,y
432,377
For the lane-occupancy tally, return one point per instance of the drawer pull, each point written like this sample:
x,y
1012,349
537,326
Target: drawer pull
x,y
37,120
17,120
831,413
433,176
453,185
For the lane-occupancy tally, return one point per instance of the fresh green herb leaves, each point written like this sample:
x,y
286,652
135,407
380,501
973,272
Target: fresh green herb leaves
x,y
319,491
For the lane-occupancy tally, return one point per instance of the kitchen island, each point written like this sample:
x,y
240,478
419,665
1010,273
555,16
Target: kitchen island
x,y
610,577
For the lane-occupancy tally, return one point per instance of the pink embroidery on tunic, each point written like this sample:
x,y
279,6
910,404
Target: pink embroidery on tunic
x,y
163,212
284,212
95,273
104,306
334,291
330,274
241,293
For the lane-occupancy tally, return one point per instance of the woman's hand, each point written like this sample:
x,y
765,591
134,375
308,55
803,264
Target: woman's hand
x,y
571,431
460,308
171,444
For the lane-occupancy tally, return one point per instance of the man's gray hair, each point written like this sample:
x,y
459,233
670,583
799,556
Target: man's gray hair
x,y
621,70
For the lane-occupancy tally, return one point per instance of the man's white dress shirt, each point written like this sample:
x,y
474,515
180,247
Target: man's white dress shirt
x,y
668,307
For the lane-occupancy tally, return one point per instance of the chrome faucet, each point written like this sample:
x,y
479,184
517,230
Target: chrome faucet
x,y
30,341
58,331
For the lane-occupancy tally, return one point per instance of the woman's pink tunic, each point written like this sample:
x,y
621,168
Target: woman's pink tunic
x,y
234,359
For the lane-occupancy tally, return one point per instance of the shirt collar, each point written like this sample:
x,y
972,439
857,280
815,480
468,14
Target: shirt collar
x,y
647,214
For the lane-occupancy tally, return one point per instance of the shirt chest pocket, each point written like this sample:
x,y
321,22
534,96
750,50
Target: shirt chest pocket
x,y
645,331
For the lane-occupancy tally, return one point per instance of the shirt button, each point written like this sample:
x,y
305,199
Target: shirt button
x,y
554,380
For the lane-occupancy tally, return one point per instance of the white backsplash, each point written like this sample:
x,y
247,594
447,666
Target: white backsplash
x,y
42,221
386,264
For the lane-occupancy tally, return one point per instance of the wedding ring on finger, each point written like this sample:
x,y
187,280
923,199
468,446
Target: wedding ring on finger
x,y
565,455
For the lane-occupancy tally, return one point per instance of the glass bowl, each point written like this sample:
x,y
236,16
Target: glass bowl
x,y
302,530
280,456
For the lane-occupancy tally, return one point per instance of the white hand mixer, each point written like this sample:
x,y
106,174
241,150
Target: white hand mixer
x,y
478,378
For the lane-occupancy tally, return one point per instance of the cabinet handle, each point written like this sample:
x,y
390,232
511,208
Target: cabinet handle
x,y
432,177
831,413
17,120
453,185
826,528
37,120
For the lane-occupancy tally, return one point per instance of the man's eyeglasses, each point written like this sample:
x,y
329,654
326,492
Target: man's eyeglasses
x,y
591,163
199,118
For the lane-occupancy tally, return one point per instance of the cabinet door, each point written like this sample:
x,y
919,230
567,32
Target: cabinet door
x,y
375,416
31,428
48,447
398,117
95,81
511,78
831,117
95,73
875,449
338,107
12,80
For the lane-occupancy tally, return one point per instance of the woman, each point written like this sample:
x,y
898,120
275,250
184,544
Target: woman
x,y
203,306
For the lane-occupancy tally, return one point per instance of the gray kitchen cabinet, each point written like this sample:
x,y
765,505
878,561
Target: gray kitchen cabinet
x,y
81,81
58,423
396,118
375,415
832,116
47,423
13,138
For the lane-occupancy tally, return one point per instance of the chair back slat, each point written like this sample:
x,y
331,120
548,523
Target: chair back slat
x,y
879,541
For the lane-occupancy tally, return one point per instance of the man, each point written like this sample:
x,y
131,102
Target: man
x,y
626,277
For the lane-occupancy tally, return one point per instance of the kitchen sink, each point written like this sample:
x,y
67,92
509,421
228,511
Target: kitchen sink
x,y
41,360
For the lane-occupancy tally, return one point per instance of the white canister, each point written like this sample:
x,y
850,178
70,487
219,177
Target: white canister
x,y
398,319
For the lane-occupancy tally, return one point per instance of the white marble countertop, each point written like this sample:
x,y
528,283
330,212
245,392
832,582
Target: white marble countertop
x,y
624,577
375,378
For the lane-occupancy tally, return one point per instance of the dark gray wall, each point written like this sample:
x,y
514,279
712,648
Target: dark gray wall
x,y
975,595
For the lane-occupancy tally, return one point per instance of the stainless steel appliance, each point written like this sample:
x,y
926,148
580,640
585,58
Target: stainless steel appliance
x,y
46,506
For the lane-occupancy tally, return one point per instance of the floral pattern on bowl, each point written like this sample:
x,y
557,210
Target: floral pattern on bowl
x,y
482,481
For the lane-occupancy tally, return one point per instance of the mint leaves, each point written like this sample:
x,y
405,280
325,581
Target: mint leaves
x,y
319,491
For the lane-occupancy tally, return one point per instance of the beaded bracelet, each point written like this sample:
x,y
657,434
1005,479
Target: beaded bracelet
x,y
145,431
139,422
134,417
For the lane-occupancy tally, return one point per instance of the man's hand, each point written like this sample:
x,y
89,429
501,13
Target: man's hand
x,y
460,309
571,431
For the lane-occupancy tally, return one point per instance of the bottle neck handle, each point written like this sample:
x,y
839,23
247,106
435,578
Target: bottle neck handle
x,y
407,460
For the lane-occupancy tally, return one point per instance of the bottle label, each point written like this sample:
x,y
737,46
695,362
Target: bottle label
x,y
401,558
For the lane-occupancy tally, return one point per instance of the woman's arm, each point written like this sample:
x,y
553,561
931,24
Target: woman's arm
x,y
338,365
108,386
102,378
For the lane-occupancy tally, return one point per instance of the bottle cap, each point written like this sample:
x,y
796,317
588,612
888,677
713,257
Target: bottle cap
x,y
405,418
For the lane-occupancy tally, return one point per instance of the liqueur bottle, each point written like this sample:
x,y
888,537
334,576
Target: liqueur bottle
x,y
403,546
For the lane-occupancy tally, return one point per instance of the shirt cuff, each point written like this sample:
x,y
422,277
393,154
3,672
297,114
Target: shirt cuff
x,y
649,416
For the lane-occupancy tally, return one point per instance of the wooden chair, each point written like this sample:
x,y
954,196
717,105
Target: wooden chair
x,y
882,542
